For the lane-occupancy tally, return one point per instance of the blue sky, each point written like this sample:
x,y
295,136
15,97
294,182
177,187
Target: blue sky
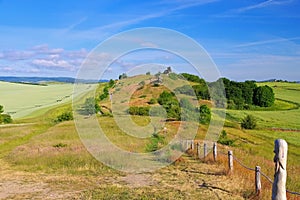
x,y
247,39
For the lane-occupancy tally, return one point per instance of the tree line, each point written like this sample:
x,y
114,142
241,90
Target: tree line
x,y
239,95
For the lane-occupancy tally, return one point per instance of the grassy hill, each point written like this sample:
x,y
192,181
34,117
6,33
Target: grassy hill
x,y
43,159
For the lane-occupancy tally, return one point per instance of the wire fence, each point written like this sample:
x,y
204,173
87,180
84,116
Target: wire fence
x,y
263,174
251,169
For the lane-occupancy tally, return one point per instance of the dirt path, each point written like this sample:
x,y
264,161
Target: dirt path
x,y
188,179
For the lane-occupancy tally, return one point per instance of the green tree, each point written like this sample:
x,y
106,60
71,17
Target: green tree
x,y
122,76
90,106
1,109
111,83
205,114
148,73
248,88
249,122
4,118
264,96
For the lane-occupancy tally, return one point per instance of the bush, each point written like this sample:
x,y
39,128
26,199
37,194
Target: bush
x,y
173,76
60,145
5,118
185,89
143,111
157,141
205,114
152,101
223,139
249,122
66,116
90,106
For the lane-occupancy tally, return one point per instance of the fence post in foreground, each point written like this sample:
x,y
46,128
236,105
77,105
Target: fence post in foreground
x,y
205,150
192,144
280,159
198,150
230,161
187,145
257,180
215,151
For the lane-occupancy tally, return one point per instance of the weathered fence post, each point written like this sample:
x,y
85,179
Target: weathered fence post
x,y
192,144
280,160
257,180
215,151
230,161
198,150
205,150
187,145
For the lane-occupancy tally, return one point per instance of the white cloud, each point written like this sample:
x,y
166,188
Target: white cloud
x,y
53,64
16,55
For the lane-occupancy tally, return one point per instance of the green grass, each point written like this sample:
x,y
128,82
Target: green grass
x,y
41,148
24,100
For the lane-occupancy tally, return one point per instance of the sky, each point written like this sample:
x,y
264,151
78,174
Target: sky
x,y
246,39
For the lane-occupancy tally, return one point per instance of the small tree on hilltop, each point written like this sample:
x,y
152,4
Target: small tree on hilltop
x,y
249,122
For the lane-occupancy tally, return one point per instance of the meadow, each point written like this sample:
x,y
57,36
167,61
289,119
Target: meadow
x,y
41,159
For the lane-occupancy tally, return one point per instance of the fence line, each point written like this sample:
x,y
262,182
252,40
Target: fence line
x,y
248,168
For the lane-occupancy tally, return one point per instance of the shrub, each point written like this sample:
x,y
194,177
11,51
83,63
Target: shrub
x,y
66,116
90,106
5,118
156,142
205,114
143,111
249,122
223,139
59,145
185,89
152,101
173,76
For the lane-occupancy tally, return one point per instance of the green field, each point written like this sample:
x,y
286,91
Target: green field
x,y
40,159
25,100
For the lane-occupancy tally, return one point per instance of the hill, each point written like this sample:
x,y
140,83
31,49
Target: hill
x,y
45,159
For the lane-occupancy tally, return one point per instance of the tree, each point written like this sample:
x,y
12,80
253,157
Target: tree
x,y
111,83
249,122
148,73
1,109
205,114
90,106
264,96
122,76
4,118
248,88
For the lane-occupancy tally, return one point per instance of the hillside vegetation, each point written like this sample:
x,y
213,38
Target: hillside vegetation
x,y
42,157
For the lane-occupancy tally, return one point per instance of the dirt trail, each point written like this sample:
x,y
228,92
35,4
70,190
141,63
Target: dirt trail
x,y
190,178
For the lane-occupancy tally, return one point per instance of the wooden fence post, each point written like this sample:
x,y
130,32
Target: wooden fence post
x,y
215,151
205,150
280,159
198,150
187,145
230,161
192,144
257,180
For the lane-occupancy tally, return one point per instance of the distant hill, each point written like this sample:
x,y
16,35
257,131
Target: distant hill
x,y
37,80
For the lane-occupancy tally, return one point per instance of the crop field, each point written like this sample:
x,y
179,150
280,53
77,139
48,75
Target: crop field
x,y
25,100
40,159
